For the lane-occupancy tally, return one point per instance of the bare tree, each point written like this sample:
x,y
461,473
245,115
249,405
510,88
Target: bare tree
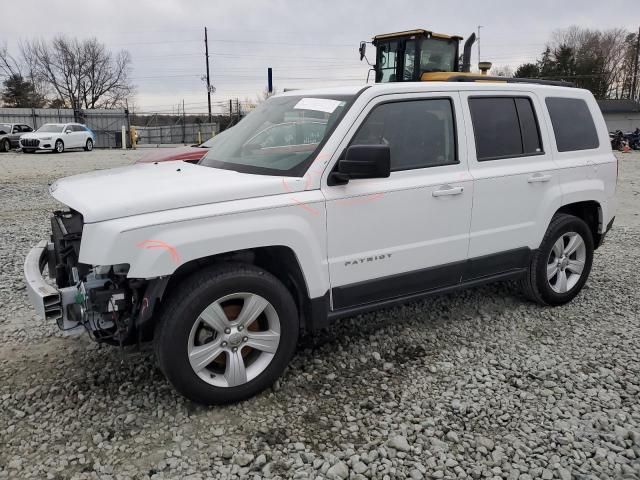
x,y
20,87
105,82
9,67
602,61
629,70
598,54
77,73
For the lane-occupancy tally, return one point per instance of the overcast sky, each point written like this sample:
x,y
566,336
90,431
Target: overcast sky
x,y
308,43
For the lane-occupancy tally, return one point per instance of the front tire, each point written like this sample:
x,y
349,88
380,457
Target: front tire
x,y
89,145
58,147
560,267
226,333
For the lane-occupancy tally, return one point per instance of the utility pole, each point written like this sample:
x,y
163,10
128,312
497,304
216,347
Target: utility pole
x,y
184,127
479,58
206,54
635,68
270,80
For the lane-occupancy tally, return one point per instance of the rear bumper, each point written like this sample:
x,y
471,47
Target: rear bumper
x,y
46,300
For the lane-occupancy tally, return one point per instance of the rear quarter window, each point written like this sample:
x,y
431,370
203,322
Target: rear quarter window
x,y
504,127
572,123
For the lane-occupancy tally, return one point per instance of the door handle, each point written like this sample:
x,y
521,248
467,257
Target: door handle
x,y
447,190
539,178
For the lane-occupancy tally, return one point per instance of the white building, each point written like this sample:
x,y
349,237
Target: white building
x,y
620,114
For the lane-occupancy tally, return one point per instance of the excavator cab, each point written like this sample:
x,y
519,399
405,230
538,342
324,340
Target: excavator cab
x,y
412,55
422,55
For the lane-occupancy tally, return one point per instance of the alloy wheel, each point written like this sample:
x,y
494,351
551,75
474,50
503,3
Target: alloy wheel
x,y
234,339
566,262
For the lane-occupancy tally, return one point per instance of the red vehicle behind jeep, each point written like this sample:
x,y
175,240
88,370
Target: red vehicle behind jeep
x,y
191,154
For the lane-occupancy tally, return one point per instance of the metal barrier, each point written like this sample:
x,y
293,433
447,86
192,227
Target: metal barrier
x,y
107,125
186,134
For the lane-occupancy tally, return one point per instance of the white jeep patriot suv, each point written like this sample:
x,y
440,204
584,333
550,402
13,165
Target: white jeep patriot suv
x,y
323,204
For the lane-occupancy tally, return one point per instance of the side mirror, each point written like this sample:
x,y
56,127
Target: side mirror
x,y
363,161
362,50
67,131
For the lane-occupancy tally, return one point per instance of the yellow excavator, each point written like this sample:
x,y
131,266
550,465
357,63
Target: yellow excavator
x,y
423,55
415,55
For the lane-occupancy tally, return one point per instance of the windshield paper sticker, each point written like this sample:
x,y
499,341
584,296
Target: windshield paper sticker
x,y
318,104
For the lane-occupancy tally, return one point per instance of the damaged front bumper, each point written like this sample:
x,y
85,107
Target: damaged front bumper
x,y
49,302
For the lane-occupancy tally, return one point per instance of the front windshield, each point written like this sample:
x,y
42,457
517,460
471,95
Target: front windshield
x,y
280,137
50,128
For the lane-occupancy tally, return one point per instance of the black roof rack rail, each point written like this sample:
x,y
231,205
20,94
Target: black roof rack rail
x,y
486,78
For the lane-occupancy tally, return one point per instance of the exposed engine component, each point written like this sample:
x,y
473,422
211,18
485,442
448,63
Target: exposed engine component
x,y
66,233
99,299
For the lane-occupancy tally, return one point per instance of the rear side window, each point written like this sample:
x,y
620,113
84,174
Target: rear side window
x,y
572,124
504,127
420,133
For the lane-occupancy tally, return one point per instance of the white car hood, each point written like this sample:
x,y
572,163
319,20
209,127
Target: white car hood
x,y
145,188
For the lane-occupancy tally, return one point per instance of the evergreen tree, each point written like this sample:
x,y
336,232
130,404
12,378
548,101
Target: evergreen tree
x,y
527,70
19,92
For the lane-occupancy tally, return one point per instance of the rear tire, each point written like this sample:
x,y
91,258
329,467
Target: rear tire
x,y
560,267
214,294
5,146
89,145
58,147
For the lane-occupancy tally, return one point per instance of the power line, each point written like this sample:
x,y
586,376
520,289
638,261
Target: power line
x,y
235,41
164,76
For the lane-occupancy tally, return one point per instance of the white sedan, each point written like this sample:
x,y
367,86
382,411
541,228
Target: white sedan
x,y
58,137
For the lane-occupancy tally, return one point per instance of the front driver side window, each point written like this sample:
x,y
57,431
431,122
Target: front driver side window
x,y
420,133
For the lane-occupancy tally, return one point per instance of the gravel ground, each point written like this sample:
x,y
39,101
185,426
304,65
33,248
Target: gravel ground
x,y
478,384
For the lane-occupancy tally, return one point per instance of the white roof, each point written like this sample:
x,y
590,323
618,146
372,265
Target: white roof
x,y
407,87
346,90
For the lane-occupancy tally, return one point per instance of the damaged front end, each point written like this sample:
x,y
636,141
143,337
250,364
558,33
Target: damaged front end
x,y
96,298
